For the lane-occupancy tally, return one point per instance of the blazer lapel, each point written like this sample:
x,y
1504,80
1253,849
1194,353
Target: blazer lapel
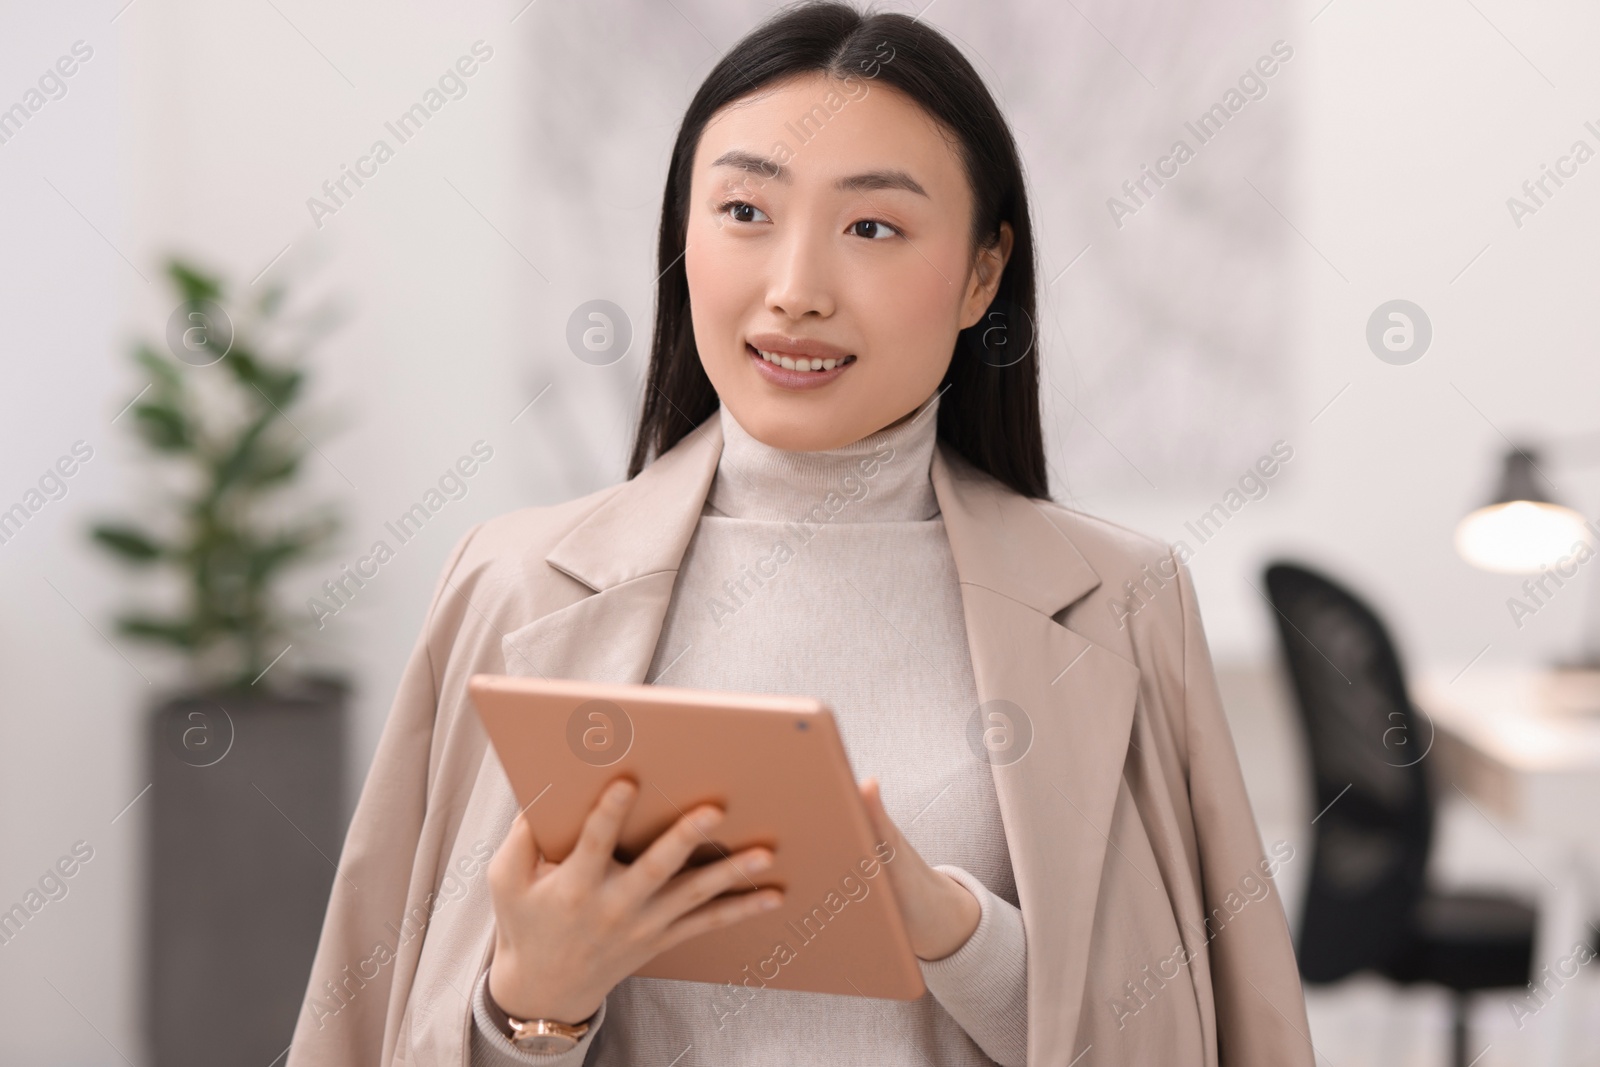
x,y
1070,704
627,551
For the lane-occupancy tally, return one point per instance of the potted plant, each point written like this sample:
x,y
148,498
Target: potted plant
x,y
246,755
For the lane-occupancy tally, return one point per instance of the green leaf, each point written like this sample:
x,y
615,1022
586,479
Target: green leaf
x,y
128,542
281,386
243,363
244,457
272,557
193,282
179,633
160,368
163,426
274,469
277,386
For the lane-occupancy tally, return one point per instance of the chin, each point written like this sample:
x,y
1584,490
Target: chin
x,y
782,423
796,439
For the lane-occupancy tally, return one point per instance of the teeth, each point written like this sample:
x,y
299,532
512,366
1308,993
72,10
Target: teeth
x,y
791,363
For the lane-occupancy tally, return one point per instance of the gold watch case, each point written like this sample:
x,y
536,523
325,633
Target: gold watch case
x,y
544,1035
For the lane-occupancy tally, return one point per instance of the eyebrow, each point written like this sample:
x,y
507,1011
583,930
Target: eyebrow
x,y
871,180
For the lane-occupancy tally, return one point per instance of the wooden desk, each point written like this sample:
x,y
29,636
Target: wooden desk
x,y
1533,770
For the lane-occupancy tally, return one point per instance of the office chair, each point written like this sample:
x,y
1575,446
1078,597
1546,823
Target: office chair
x,y
1368,906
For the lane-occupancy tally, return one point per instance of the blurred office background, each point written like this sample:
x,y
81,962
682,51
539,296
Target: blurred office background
x,y
1223,315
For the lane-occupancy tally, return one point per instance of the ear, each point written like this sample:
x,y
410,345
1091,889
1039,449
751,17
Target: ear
x,y
984,280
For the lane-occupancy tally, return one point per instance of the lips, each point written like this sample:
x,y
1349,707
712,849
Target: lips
x,y
781,345
801,363
805,355
783,368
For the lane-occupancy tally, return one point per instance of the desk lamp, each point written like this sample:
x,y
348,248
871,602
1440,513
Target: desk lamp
x,y
1525,530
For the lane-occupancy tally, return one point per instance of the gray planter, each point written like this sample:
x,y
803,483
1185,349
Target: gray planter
x,y
246,822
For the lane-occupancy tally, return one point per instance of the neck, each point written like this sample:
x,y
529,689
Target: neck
x,y
884,477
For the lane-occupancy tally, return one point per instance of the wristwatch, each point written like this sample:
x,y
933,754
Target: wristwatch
x,y
534,1035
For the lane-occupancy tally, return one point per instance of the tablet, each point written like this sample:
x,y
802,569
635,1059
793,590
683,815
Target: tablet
x,y
777,767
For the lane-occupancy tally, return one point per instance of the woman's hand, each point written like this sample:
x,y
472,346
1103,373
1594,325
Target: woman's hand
x,y
566,933
940,914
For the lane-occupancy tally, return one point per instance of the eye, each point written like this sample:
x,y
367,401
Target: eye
x,y
872,230
740,211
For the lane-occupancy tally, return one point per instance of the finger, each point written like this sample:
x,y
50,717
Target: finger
x,y
690,889
874,802
719,914
598,839
883,827
667,853
515,862
543,866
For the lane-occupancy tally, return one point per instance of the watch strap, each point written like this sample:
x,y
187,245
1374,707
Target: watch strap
x,y
541,1035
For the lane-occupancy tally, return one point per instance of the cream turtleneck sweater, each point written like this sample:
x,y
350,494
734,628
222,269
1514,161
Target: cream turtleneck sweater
x,y
829,574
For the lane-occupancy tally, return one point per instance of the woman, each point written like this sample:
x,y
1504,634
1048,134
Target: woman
x,y
838,488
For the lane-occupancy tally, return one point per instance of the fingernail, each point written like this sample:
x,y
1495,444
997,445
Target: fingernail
x,y
768,903
758,862
707,819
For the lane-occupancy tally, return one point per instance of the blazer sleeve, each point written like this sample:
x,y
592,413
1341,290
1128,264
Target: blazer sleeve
x,y
1259,1003
344,1019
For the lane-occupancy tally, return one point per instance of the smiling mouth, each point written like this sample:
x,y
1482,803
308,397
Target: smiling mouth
x,y
801,362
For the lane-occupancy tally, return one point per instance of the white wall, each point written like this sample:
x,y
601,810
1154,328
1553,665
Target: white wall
x,y
66,766
205,128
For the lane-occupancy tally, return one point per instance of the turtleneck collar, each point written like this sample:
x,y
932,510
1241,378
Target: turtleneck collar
x,y
884,477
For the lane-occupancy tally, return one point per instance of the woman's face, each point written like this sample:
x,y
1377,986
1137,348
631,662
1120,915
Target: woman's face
x,y
830,219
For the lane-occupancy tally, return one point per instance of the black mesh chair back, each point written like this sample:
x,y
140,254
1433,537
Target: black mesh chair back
x,y
1367,746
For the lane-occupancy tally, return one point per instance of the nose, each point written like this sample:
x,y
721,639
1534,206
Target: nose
x,y
802,275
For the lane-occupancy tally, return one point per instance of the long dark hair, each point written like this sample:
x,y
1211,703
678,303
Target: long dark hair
x,y
989,407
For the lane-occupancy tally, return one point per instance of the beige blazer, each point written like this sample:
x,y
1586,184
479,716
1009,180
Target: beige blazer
x,y
1154,933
